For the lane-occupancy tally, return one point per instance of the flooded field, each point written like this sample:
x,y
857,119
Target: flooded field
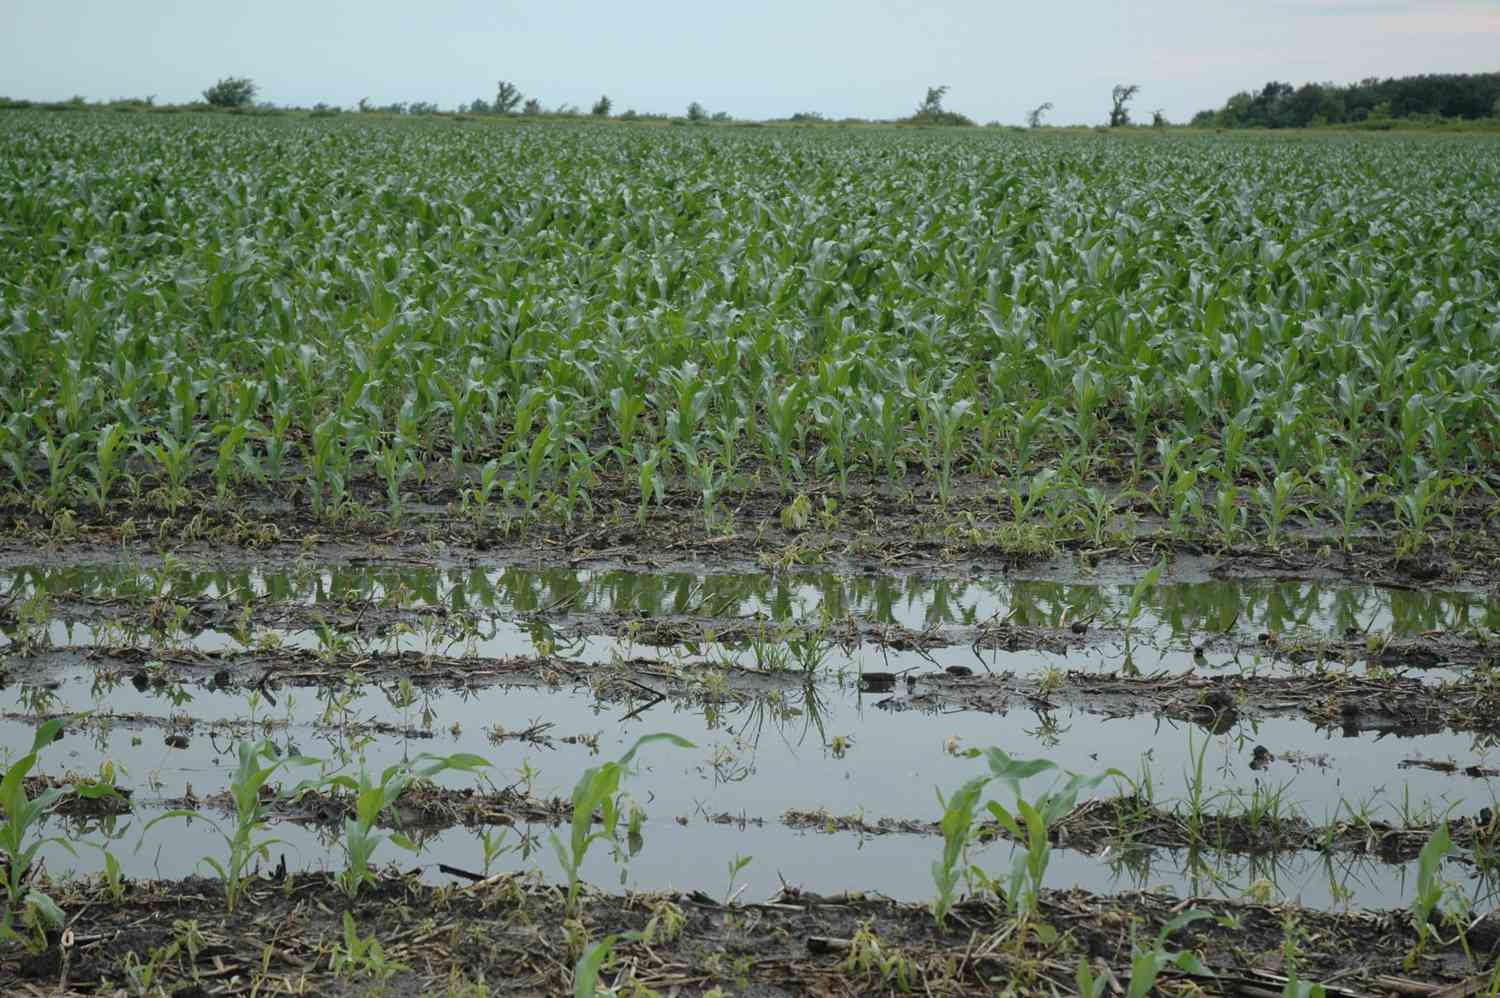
x,y
462,558
826,714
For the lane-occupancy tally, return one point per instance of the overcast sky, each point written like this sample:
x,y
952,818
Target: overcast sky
x,y
756,60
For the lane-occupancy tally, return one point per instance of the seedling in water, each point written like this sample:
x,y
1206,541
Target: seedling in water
x,y
597,791
250,813
371,798
22,814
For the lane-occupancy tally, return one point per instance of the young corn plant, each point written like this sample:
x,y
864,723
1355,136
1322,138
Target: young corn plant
x,y
650,479
1417,509
950,871
258,762
109,448
371,797
1347,494
1277,499
362,955
949,421
586,970
1429,890
63,457
1031,822
27,907
1147,962
597,792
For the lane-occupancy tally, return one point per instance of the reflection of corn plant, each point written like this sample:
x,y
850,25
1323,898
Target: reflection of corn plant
x,y
597,790
1140,593
19,848
250,814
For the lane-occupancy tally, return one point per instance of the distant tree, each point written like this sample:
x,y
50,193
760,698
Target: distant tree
x,y
695,112
232,91
1271,108
364,105
932,104
601,107
1159,118
533,107
1122,95
1236,111
722,116
1428,97
932,112
1034,116
1495,108
479,106
507,96
422,107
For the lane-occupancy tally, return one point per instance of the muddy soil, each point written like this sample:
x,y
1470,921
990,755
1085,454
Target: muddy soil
x,y
876,528
1334,698
512,936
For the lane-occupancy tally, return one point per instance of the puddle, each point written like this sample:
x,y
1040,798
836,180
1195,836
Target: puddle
x,y
819,746
830,750
595,616
1174,610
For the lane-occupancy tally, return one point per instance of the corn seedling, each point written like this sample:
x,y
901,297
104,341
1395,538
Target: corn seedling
x,y
371,797
1147,962
26,905
258,762
597,792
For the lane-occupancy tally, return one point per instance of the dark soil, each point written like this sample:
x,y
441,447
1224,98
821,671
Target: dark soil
x,y
877,528
512,934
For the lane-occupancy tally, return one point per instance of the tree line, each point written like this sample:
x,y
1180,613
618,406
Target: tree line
x,y
1435,96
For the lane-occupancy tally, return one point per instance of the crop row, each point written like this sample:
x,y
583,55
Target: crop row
x,y
1237,331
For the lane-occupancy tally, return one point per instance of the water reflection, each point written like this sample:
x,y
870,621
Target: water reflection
x,y
908,601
